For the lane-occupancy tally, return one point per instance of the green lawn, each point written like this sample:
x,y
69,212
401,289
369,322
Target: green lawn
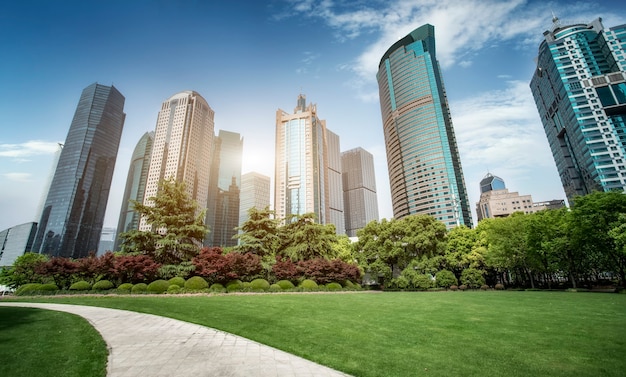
x,y
35,342
414,334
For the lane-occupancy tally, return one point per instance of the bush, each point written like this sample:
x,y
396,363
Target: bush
x,y
499,287
80,286
462,287
177,281
217,287
234,285
484,287
139,288
308,285
422,281
50,287
445,279
259,285
158,286
196,283
103,285
472,277
285,284
275,288
348,284
333,286
26,289
401,282
454,287
125,287
173,288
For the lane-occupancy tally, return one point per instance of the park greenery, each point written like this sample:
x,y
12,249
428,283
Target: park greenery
x,y
579,248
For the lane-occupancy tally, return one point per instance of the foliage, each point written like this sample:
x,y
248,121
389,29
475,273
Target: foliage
x,y
445,279
177,281
234,285
139,288
182,270
472,278
285,284
308,285
217,287
275,288
196,283
27,289
135,269
125,287
80,286
422,281
103,285
215,266
285,269
24,270
158,286
60,270
303,239
333,286
177,226
174,288
259,285
259,233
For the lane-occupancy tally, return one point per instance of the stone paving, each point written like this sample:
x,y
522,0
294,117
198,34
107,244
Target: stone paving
x,y
151,346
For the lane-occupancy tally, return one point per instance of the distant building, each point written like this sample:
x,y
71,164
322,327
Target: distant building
x,y
73,214
222,217
308,167
579,88
16,241
135,187
255,193
425,173
497,201
359,189
107,240
182,149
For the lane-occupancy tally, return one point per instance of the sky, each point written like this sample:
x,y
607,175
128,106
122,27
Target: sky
x,y
250,58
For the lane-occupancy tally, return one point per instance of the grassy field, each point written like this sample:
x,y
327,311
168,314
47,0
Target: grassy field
x,y
417,334
36,342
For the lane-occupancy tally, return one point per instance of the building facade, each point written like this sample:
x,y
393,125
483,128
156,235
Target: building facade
x,y
73,214
255,193
182,148
579,88
222,215
359,189
16,241
425,173
308,166
135,186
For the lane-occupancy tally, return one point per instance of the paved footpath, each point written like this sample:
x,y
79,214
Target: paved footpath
x,y
149,345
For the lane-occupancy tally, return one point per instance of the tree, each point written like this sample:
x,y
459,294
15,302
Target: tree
x,y
259,233
59,269
177,226
303,239
24,270
445,279
472,277
618,234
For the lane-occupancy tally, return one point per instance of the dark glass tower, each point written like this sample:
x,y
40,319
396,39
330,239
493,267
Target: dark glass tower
x,y
73,213
135,185
579,88
425,171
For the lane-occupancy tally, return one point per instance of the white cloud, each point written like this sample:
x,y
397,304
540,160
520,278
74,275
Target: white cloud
x,y
18,177
28,149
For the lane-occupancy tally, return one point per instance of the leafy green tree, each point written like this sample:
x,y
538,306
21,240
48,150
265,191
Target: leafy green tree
x,y
460,244
24,270
260,233
445,279
618,234
177,226
303,239
343,249
472,277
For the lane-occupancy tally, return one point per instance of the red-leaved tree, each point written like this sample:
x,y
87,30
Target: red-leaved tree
x,y
135,269
59,269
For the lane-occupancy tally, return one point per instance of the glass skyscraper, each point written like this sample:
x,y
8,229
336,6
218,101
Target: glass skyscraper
x,y
425,171
73,214
359,189
579,88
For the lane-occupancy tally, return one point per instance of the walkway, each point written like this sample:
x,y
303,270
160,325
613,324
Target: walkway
x,y
149,345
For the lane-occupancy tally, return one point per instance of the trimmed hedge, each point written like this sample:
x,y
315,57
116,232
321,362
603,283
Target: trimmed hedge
x,y
103,285
217,287
173,288
80,286
285,284
125,287
177,281
333,286
259,285
158,286
196,283
139,288
308,285
49,287
234,285
275,288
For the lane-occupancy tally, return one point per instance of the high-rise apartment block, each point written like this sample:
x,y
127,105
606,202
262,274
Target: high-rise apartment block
x,y
222,217
425,171
579,88
182,148
359,189
135,186
308,167
73,214
255,193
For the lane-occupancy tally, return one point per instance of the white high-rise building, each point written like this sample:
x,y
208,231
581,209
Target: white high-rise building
x,y
182,147
359,189
255,193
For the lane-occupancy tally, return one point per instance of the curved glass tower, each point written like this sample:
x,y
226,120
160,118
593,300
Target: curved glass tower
x,y
425,171
579,88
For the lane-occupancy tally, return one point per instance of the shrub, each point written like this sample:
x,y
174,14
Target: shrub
x,y
445,279
462,287
49,287
246,285
196,283
484,287
308,285
173,288
285,284
454,287
103,285
125,287
348,284
422,281
234,285
80,286
333,286
401,282
158,286
472,277
259,285
26,289
275,288
139,288
135,268
499,287
217,287
177,281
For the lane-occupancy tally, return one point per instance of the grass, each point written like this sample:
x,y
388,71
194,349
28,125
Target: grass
x,y
417,334
35,342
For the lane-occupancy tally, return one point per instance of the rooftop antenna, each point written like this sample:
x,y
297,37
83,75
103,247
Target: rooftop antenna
x,y
555,19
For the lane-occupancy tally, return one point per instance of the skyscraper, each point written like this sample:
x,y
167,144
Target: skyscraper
x,y
182,147
255,193
73,213
425,171
359,189
306,154
135,185
579,88
224,188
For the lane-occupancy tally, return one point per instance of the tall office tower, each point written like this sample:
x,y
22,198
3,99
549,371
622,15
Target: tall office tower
x,y
425,171
255,193
579,88
335,184
182,147
135,186
15,241
73,213
303,165
222,215
359,189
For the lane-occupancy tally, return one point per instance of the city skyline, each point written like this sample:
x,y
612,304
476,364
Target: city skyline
x,y
256,60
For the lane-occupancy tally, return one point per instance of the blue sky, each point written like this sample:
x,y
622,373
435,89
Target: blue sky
x,y
250,58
